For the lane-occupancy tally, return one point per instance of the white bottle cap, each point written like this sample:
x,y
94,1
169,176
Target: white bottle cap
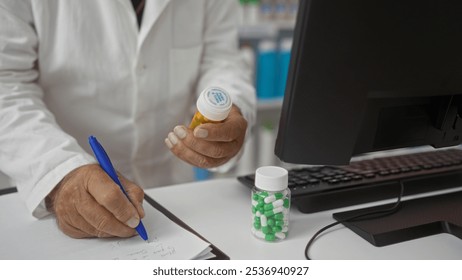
x,y
214,103
271,178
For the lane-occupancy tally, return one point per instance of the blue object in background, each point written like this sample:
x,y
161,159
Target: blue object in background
x,y
201,174
283,65
266,69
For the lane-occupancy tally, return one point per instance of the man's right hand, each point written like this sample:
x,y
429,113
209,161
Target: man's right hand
x,y
87,203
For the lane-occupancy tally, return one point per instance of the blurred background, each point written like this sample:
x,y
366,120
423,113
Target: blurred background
x,y
265,35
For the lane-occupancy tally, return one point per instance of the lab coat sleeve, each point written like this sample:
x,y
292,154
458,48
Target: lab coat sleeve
x,y
222,65
34,152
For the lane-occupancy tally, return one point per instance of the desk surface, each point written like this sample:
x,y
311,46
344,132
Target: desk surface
x,y
219,210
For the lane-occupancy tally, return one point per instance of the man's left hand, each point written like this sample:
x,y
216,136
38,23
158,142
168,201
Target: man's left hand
x,y
210,144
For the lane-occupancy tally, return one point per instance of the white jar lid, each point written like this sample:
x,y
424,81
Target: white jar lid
x,y
214,103
271,178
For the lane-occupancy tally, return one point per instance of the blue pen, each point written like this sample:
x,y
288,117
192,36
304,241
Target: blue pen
x,y
106,165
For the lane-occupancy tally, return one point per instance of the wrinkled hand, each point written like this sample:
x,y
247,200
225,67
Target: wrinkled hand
x,y
87,203
210,144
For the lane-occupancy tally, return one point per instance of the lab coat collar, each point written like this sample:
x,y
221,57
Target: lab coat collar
x,y
152,10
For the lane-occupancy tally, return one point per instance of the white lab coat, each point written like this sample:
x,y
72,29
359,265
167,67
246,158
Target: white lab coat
x,y
74,68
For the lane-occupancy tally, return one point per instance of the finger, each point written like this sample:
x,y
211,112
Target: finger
x,y
213,149
232,128
100,222
75,226
90,230
78,227
135,193
108,194
72,231
190,156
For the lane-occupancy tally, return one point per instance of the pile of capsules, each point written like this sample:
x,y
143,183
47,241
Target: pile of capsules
x,y
270,214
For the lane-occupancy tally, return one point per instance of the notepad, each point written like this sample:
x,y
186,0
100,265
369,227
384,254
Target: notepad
x,y
24,237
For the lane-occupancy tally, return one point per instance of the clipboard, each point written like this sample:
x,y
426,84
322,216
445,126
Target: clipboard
x,y
217,252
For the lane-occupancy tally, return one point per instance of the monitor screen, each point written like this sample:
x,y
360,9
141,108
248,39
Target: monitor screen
x,y
369,76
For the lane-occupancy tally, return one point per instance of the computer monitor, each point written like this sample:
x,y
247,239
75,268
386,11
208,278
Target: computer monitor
x,y
371,75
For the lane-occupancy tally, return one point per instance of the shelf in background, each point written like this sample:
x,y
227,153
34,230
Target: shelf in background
x,y
269,104
269,29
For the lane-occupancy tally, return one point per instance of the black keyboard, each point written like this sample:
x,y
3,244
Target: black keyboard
x,y
327,187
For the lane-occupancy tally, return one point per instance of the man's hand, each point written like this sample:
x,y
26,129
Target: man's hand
x,y
210,144
87,203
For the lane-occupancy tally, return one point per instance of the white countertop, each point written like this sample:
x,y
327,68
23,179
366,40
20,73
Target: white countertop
x,y
220,210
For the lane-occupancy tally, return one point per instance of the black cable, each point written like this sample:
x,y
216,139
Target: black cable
x,y
369,215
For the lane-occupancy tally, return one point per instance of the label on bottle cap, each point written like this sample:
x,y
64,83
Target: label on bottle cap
x,y
214,104
217,97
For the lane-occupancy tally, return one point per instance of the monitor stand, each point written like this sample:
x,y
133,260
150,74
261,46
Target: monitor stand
x,y
415,218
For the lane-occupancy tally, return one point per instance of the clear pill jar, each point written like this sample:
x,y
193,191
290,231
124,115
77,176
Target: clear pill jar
x,y
270,204
213,106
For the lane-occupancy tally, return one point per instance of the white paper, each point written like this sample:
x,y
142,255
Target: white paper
x,y
24,237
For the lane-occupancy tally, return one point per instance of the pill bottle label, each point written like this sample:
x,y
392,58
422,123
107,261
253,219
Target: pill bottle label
x,y
270,214
200,119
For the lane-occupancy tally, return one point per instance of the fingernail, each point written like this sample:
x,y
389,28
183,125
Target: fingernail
x,y
133,222
168,143
141,211
201,133
172,138
180,131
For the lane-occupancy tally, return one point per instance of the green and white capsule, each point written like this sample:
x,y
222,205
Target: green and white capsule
x,y
274,204
263,221
273,197
274,211
280,235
